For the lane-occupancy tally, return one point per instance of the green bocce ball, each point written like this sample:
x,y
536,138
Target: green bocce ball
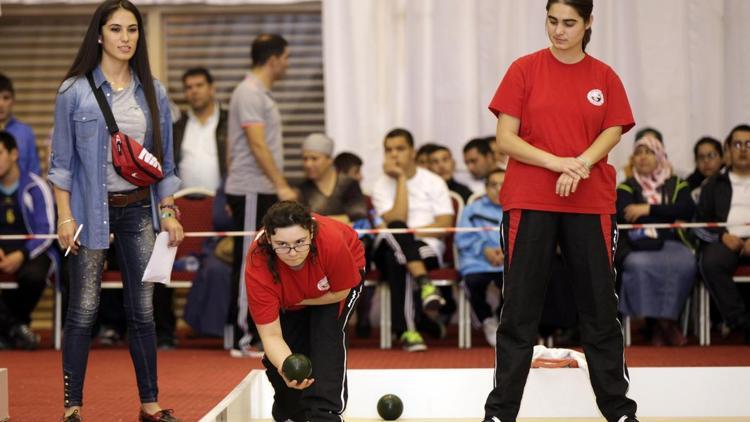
x,y
297,367
390,407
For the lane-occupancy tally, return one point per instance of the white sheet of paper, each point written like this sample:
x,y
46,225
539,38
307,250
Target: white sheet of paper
x,y
159,268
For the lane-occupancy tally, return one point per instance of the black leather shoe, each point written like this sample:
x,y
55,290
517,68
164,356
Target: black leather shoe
x,y
23,338
164,415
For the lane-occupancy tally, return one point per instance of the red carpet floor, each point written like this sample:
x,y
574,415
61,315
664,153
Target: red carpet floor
x,y
195,377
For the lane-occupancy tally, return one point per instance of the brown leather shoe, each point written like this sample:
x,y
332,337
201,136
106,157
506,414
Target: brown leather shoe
x,y
164,415
73,417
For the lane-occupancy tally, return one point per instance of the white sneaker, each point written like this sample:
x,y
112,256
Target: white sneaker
x,y
247,350
489,326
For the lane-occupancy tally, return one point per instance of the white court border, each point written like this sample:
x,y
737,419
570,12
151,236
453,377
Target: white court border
x,y
460,393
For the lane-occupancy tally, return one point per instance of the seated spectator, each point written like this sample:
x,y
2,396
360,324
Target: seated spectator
x,y
349,164
408,196
480,256
725,197
423,155
626,172
324,190
709,161
479,160
26,207
330,192
658,270
28,158
443,164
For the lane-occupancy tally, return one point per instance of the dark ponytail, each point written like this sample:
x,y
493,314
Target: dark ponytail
x,y
584,9
586,39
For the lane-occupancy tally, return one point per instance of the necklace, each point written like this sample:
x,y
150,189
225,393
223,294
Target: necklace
x,y
117,88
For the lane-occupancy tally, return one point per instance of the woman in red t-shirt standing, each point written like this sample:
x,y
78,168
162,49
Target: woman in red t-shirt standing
x,y
304,276
560,112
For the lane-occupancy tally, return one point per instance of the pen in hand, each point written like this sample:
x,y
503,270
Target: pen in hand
x,y
75,238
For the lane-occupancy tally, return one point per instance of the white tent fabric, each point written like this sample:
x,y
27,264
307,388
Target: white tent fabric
x,y
432,67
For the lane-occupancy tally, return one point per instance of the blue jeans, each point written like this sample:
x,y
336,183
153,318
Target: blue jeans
x,y
134,241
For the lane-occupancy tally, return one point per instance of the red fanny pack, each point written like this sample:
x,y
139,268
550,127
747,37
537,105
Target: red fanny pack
x,y
131,160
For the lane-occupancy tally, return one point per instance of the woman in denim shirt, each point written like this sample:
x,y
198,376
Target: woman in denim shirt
x,y
89,192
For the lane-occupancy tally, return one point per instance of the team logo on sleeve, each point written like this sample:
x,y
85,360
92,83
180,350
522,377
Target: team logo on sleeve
x,y
323,284
596,97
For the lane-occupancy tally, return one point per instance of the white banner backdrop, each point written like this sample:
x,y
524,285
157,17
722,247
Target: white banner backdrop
x,y
432,66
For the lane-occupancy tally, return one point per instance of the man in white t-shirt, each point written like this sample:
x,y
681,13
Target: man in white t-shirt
x,y
725,197
409,196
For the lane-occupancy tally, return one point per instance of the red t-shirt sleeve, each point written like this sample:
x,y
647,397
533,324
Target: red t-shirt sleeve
x,y
263,301
618,111
344,261
509,97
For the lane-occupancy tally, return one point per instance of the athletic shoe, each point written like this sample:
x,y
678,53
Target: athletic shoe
x,y
628,419
247,347
489,326
164,415
492,419
412,341
249,351
432,300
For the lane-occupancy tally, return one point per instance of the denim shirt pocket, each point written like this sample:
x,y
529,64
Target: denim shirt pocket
x,y
86,128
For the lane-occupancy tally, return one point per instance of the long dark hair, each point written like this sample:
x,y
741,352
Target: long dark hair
x,y
584,9
90,54
280,215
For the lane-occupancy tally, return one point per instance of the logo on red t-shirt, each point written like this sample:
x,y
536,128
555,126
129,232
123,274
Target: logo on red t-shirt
x,y
596,97
323,284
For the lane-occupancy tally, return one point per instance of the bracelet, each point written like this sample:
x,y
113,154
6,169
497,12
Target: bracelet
x,y
585,162
175,209
166,214
66,221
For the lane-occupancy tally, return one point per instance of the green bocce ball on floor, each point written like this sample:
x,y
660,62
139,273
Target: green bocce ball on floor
x,y
390,407
297,367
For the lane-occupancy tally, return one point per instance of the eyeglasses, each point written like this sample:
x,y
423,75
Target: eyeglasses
x,y
303,247
741,144
707,156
